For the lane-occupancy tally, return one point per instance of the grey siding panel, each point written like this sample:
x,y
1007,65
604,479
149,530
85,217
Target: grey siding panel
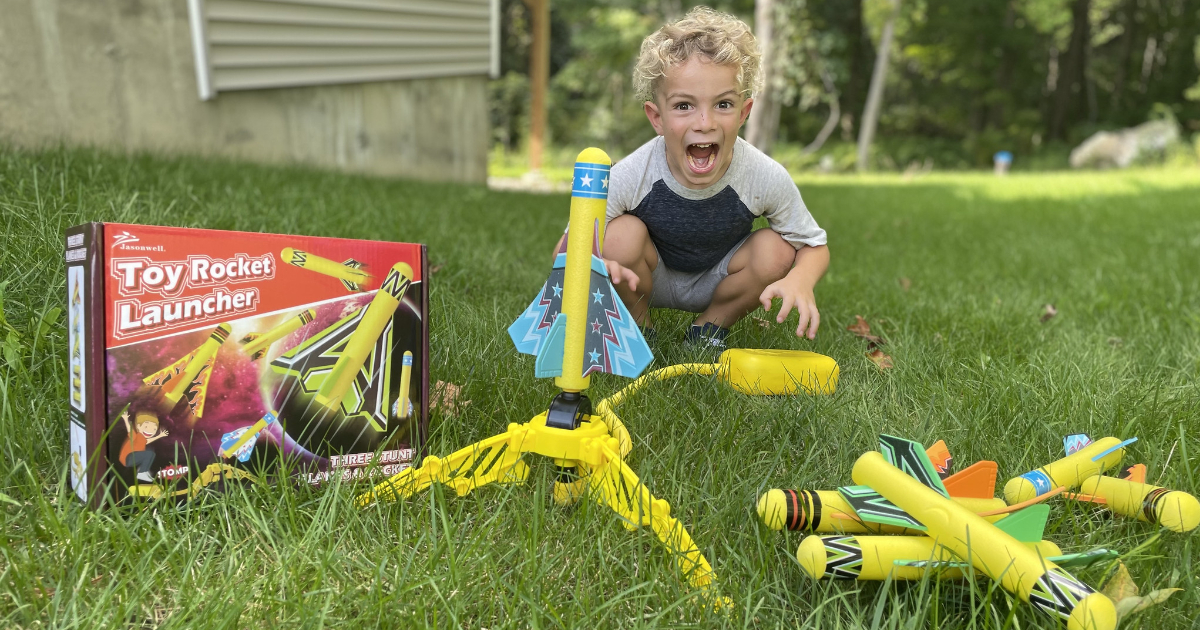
x,y
286,56
278,13
443,7
256,44
247,79
221,33
469,8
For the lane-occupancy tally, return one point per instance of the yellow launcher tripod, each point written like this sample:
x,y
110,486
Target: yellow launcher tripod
x,y
597,447
588,448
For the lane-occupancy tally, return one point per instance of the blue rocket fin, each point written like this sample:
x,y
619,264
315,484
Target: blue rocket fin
x,y
1100,456
549,359
1074,442
613,343
530,330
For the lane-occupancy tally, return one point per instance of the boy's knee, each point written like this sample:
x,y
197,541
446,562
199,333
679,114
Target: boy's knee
x,y
625,226
773,257
625,239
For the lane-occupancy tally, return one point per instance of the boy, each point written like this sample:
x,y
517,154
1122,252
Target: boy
x,y
140,433
680,208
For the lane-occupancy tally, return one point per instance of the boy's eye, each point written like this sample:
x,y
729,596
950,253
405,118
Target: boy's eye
x,y
683,105
725,104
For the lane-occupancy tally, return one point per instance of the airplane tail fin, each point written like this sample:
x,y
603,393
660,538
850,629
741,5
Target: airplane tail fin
x,y
939,454
1027,525
353,264
975,481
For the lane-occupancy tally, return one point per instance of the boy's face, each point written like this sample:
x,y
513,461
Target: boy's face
x,y
698,111
148,428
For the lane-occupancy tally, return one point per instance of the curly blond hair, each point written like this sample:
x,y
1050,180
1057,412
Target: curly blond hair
x,y
720,37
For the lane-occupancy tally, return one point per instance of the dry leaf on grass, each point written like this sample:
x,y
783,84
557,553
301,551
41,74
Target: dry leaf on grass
x,y
1120,585
861,328
905,284
1048,313
446,397
761,322
1123,591
434,269
1137,604
884,361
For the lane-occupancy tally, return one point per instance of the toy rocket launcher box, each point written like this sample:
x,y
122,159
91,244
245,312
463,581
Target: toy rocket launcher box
x,y
201,356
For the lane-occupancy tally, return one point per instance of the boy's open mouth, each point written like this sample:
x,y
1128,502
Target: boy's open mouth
x,y
702,158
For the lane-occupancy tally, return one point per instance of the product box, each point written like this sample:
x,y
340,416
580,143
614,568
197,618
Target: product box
x,y
198,357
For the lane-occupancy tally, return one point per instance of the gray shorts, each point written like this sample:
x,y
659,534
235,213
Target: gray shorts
x,y
688,291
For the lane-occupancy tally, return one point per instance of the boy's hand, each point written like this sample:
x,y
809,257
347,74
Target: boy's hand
x,y
617,273
794,296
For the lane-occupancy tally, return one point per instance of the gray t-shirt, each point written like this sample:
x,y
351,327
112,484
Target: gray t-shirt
x,y
694,229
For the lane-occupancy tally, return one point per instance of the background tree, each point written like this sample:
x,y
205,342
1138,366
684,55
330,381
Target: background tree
x,y
870,116
966,79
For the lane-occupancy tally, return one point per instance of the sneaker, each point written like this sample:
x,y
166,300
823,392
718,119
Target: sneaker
x,y
145,476
709,336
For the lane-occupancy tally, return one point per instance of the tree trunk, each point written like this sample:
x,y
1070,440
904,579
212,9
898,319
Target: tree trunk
x,y
1128,36
763,125
999,112
835,114
1071,77
870,117
860,48
539,78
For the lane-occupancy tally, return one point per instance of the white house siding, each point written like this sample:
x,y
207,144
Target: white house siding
x,y
121,74
254,44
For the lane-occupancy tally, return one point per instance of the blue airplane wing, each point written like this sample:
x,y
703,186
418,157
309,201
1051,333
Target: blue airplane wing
x,y
614,343
530,330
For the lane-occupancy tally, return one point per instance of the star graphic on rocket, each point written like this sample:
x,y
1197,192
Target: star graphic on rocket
x,y
586,181
594,356
557,290
596,325
604,182
598,295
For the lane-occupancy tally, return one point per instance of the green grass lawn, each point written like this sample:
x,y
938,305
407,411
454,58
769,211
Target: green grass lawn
x,y
954,270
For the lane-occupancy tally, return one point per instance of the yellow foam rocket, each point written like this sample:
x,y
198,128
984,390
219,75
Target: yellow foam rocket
x,y
1000,556
872,558
578,324
350,272
1130,495
256,344
190,374
347,366
1084,458
403,405
375,320
239,443
828,512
